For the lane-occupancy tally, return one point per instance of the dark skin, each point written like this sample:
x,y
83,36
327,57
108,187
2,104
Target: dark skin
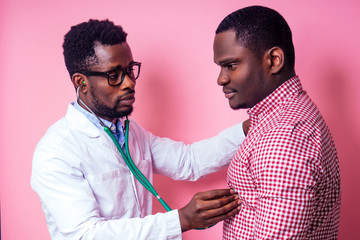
x,y
246,126
246,78
208,208
108,102
111,102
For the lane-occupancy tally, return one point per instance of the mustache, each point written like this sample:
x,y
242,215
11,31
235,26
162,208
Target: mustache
x,y
228,90
129,94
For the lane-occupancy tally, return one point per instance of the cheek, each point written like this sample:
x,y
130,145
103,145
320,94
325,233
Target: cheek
x,y
247,84
242,78
109,99
101,95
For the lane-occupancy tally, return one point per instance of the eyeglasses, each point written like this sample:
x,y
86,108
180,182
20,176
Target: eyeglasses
x,y
116,76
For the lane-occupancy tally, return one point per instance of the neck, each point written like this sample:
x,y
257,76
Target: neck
x,y
284,76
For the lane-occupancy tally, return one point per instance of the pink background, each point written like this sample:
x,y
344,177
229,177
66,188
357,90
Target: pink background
x,y
177,95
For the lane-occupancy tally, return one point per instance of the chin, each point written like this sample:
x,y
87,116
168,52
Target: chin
x,y
125,113
237,106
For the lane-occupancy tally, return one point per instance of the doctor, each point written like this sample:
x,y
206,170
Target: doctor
x,y
85,187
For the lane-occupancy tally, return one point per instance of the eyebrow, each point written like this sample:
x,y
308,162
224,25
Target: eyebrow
x,y
120,67
227,61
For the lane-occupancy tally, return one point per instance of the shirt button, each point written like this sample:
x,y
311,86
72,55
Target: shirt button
x,y
112,128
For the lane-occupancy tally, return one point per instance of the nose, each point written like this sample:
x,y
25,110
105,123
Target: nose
x,y
223,78
128,83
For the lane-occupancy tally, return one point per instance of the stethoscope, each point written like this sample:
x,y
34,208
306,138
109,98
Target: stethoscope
x,y
127,157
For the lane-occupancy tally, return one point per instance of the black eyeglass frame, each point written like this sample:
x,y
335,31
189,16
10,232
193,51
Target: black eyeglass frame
x,y
124,71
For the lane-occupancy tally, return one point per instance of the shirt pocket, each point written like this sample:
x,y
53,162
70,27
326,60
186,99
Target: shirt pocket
x,y
113,192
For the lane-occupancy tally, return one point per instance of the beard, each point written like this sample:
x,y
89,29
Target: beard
x,y
101,109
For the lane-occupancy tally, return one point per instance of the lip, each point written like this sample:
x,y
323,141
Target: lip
x,y
128,99
229,93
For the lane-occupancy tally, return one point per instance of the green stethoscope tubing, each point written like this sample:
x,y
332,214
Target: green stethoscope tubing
x,y
129,162
127,158
133,168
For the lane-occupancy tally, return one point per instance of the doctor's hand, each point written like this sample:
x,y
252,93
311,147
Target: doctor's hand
x,y
208,208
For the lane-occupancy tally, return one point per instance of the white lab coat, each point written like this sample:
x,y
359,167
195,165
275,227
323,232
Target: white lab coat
x,y
88,192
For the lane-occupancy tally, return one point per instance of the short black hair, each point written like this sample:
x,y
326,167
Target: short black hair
x,y
259,29
80,41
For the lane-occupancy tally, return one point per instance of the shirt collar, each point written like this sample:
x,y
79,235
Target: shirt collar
x,y
288,88
116,129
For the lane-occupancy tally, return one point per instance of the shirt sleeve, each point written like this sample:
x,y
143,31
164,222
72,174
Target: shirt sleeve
x,y
286,170
72,211
191,161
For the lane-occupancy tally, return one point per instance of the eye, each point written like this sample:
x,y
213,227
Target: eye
x,y
231,66
130,70
113,75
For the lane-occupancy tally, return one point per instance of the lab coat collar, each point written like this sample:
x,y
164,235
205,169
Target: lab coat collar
x,y
79,122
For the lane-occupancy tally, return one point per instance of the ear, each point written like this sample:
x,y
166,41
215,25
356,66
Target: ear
x,y
275,59
79,80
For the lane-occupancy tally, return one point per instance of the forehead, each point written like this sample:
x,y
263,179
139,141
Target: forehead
x,y
226,47
109,56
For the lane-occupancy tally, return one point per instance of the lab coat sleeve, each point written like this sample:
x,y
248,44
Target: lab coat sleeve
x,y
190,162
72,211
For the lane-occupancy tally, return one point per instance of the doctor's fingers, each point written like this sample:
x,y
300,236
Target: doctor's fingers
x,y
221,207
210,217
214,194
218,203
218,218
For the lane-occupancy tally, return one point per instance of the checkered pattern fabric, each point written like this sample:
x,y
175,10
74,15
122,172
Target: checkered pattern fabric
x,y
286,172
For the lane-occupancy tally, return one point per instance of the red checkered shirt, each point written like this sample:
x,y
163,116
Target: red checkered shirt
x,y
286,172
